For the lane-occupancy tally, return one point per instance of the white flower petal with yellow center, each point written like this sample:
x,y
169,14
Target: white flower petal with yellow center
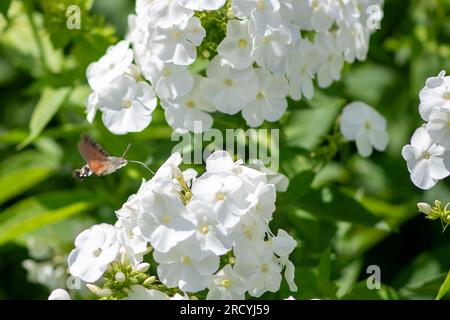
x,y
426,160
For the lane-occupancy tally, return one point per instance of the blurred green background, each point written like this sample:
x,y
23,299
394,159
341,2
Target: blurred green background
x,y
347,213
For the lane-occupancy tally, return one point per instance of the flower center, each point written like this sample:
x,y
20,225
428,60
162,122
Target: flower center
x,y
264,268
176,34
204,229
97,252
314,4
242,43
367,125
220,196
248,232
260,5
446,95
228,82
426,155
166,219
126,104
226,283
190,104
165,72
185,260
261,95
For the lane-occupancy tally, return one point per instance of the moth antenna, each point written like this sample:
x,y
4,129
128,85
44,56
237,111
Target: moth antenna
x,y
126,150
142,164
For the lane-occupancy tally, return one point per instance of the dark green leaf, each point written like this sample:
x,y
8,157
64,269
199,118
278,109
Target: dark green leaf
x,y
36,212
48,105
332,204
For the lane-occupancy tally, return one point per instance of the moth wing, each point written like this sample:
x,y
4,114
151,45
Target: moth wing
x,y
98,166
91,150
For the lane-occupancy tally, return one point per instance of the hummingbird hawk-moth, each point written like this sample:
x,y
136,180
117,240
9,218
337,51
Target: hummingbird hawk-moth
x,y
98,160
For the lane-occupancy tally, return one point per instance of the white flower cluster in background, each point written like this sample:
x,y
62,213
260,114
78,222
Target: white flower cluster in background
x,y
208,232
272,49
364,125
428,155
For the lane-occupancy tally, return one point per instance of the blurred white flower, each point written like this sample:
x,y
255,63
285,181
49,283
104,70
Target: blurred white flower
x,y
127,105
59,294
226,285
138,292
210,234
166,14
327,59
366,126
113,64
95,249
426,160
178,43
131,240
190,111
435,82
435,97
200,5
263,275
279,180
271,50
262,201
270,103
222,194
264,14
92,106
169,80
228,89
439,127
186,266
236,47
300,72
163,220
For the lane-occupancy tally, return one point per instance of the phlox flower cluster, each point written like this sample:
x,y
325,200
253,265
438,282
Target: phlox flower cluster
x,y
428,154
204,232
271,50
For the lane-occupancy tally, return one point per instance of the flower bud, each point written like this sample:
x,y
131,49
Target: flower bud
x,y
142,267
176,173
104,293
424,207
94,289
124,258
149,281
120,276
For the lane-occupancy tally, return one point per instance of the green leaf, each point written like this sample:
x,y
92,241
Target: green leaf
x,y
22,172
36,212
332,204
370,75
444,288
306,128
361,292
47,106
4,7
326,287
299,185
